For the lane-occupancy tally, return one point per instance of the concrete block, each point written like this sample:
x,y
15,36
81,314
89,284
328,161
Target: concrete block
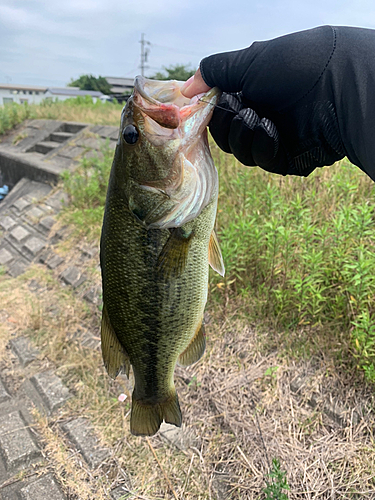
x,y
34,213
19,234
5,257
45,224
24,350
81,434
94,295
51,389
4,396
33,246
72,276
7,222
16,444
21,204
17,267
57,200
54,261
44,488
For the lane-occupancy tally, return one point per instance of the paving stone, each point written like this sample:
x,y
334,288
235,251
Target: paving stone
x,y
21,203
24,350
82,436
57,200
34,213
7,222
94,295
45,224
4,396
44,488
5,257
17,267
51,389
73,276
121,493
19,234
54,261
16,444
34,245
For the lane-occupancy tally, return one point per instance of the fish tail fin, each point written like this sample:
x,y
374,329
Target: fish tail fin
x,y
146,419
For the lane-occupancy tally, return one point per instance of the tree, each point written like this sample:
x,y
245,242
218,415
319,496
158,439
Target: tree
x,y
175,72
90,82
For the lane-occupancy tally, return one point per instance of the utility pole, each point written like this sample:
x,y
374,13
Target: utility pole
x,y
144,53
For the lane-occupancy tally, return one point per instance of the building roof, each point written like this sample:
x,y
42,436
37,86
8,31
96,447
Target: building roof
x,y
11,86
121,82
73,91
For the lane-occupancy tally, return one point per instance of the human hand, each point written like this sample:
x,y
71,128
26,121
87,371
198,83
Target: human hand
x,y
279,107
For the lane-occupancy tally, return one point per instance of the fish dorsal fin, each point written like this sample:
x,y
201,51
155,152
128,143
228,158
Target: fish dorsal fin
x,y
173,257
114,356
215,258
195,349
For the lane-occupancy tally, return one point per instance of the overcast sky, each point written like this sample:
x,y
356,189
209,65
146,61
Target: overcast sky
x,y
44,42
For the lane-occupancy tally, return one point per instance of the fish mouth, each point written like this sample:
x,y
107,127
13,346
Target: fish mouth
x,y
163,102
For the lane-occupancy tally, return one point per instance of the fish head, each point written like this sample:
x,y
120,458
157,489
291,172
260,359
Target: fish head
x,y
163,155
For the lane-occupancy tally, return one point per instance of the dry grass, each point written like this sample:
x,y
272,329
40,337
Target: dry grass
x,y
237,415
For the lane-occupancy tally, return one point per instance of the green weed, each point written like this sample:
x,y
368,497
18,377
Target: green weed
x,y
278,483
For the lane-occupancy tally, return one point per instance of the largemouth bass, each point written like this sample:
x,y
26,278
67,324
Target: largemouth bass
x,y
156,246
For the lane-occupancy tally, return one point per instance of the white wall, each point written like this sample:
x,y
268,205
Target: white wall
x,y
21,96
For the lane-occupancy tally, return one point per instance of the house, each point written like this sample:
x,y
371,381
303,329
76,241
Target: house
x,y
21,93
63,93
33,94
120,85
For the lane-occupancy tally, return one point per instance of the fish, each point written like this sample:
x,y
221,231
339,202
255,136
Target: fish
x,y
157,243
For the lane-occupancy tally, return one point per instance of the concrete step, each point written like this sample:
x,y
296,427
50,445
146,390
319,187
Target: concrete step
x,y
45,146
60,136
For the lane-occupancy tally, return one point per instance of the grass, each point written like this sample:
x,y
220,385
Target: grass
x,y
297,300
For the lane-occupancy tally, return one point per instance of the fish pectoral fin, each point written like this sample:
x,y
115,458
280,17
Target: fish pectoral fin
x,y
215,258
114,356
173,257
195,349
145,419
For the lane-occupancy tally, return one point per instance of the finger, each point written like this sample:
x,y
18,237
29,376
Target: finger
x,y
266,143
227,70
195,85
226,109
241,136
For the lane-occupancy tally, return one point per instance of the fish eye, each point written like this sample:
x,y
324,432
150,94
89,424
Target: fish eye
x,y
130,134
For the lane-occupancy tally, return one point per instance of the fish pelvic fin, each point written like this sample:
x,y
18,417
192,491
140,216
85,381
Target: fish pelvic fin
x,y
195,349
215,258
173,257
114,356
146,419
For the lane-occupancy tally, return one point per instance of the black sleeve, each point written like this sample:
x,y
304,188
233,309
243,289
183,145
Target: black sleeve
x,y
315,87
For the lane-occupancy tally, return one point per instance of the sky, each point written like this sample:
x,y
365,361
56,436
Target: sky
x,y
45,42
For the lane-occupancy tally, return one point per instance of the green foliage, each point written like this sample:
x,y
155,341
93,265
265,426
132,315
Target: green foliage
x,y
278,483
177,72
300,252
87,188
90,82
12,114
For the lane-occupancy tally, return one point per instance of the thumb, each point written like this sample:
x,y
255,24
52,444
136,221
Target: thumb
x,y
195,85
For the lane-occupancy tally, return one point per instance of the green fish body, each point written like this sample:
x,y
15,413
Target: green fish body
x,y
156,247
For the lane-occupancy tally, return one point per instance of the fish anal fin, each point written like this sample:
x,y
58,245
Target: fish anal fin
x,y
146,419
195,349
114,356
173,257
215,258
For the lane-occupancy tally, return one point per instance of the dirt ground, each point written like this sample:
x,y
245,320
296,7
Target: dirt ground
x,y
243,405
